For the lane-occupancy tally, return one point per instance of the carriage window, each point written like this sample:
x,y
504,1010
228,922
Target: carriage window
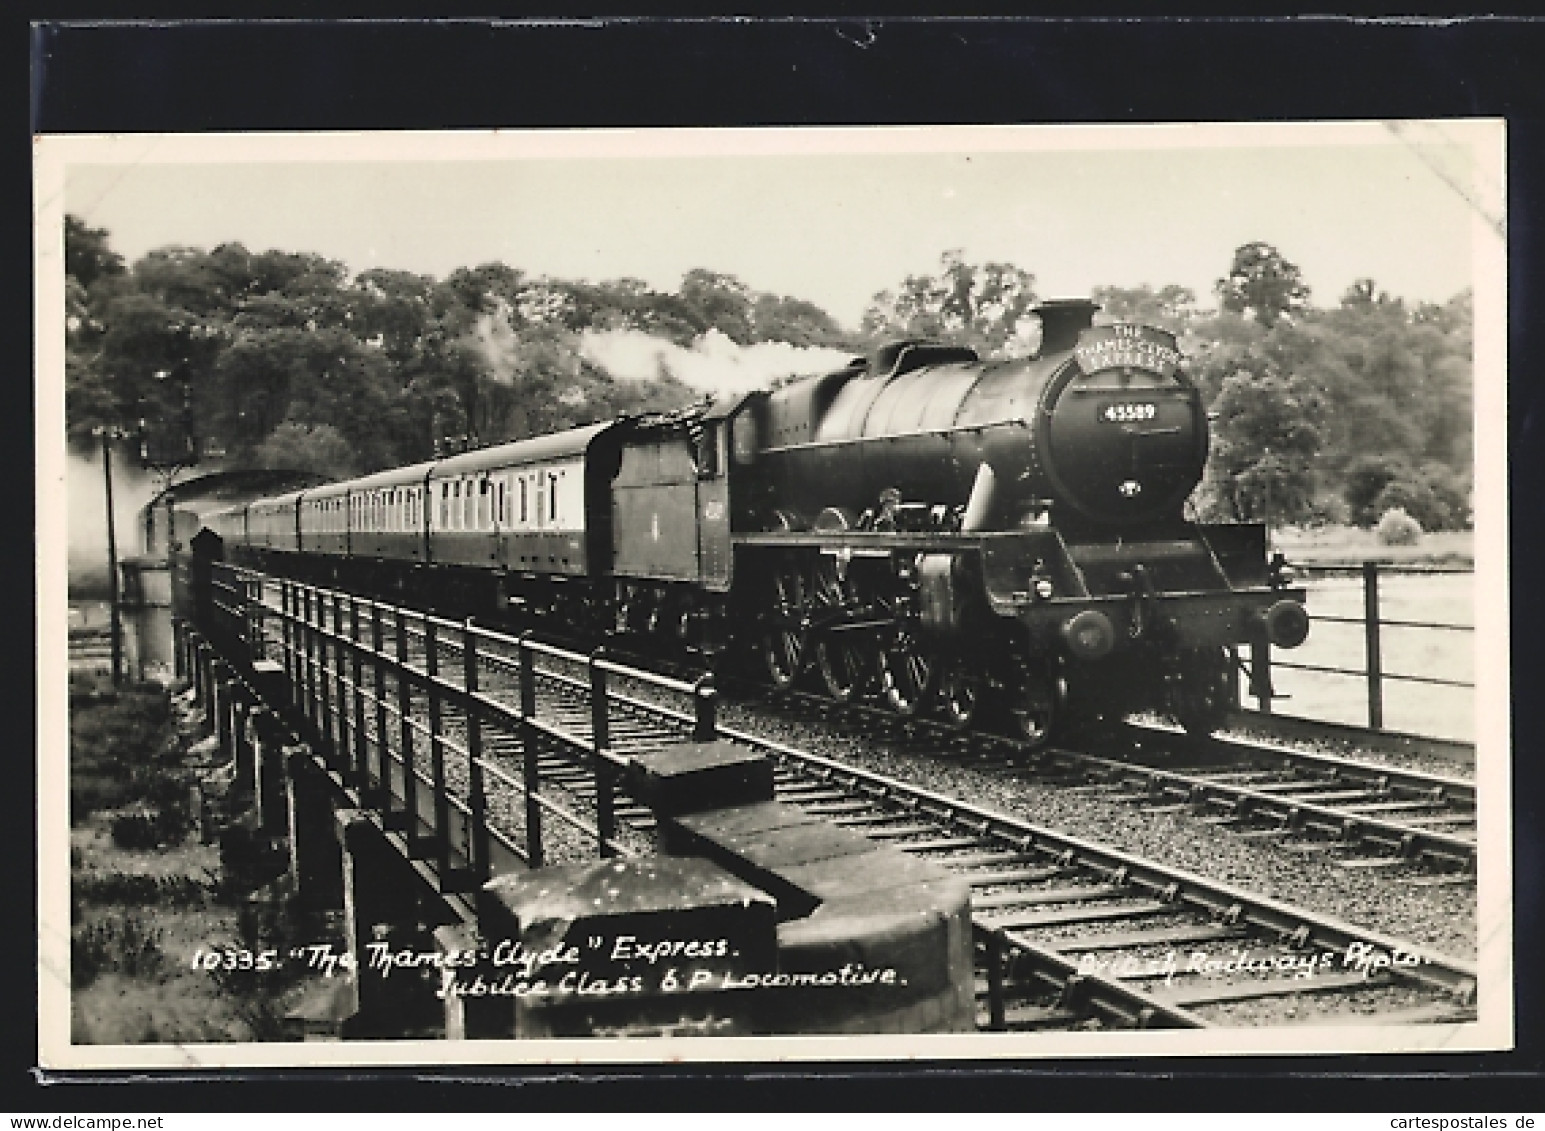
x,y
552,497
484,500
523,516
445,506
501,503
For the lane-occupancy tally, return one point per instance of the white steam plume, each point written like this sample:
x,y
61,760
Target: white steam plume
x,y
714,363
86,499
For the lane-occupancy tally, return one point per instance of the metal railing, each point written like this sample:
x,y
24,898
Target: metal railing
x,y
1373,671
448,729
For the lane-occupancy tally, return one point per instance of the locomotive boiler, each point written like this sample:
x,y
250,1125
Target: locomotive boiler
x,y
1001,541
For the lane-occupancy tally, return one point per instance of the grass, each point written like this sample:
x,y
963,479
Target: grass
x,y
146,899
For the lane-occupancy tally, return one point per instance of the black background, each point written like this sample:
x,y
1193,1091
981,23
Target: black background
x,y
305,75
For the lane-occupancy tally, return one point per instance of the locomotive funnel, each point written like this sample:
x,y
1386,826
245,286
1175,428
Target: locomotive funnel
x,y
1062,320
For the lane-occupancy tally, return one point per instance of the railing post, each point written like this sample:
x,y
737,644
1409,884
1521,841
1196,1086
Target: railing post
x,y
383,750
340,751
252,606
477,798
705,710
437,751
260,613
359,762
530,752
600,738
1371,636
286,611
325,680
179,641
405,737
315,686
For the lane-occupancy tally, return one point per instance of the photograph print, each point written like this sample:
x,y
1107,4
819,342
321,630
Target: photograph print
x,y
643,595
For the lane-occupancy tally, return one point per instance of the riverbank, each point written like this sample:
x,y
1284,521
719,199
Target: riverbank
x,y
1348,547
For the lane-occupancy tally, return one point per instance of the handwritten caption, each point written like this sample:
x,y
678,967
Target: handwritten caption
x,y
598,967
1359,957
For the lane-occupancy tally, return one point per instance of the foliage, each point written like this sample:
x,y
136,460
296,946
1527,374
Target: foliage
x,y
124,944
123,751
1397,528
151,828
1263,284
283,360
1435,495
1268,431
306,447
1169,308
985,306
248,860
138,889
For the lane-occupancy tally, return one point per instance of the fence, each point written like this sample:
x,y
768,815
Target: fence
x,y
451,731
1373,672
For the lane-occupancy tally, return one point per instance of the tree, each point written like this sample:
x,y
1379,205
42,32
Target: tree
x,y
1262,284
718,302
1170,307
295,446
777,318
985,306
87,257
1268,433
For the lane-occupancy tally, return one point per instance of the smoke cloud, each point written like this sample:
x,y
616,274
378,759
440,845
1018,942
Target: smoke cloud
x,y
714,363
87,503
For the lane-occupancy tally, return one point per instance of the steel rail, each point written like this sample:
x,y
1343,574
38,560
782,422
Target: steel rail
x,y
1414,783
1294,812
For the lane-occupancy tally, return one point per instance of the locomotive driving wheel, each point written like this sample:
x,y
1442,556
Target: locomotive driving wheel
x,y
1038,708
846,666
783,647
908,674
1203,689
960,692
844,658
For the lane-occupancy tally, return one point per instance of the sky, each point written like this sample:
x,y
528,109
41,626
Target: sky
x,y
831,216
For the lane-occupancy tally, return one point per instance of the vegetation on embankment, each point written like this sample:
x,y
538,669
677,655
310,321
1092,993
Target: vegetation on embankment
x,y
148,892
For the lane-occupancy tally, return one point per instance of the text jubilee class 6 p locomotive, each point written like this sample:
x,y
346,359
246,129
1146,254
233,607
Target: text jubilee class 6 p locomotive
x,y
976,540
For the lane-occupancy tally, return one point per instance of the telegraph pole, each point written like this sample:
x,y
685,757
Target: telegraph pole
x,y
115,622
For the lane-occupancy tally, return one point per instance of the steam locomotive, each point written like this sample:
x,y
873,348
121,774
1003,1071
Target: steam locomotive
x,y
981,541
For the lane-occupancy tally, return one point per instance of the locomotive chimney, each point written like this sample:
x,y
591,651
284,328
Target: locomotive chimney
x,y
1062,320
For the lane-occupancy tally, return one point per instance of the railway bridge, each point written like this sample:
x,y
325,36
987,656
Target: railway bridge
x,y
508,858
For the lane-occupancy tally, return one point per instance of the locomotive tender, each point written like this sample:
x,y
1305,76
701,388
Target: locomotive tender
x,y
1002,539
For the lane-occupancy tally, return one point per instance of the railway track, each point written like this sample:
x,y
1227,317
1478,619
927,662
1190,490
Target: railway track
x,y
1070,934
1380,815
1074,934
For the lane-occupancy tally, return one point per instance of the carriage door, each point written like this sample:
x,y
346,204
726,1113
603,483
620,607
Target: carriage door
x,y
713,504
